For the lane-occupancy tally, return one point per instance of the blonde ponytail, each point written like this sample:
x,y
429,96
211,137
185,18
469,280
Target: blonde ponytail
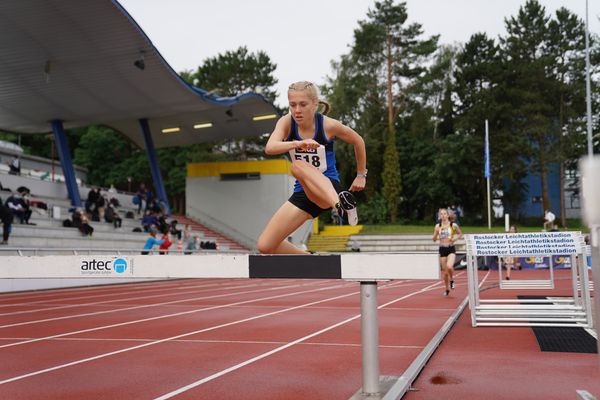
x,y
313,93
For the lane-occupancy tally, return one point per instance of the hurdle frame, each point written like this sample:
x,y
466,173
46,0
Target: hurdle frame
x,y
365,268
573,311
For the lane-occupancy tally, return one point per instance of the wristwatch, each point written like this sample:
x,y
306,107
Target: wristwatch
x,y
362,175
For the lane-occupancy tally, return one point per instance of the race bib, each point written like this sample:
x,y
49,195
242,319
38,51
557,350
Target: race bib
x,y
315,157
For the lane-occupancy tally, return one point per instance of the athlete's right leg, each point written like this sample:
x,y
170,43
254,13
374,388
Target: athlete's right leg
x,y
273,239
450,268
445,276
318,187
320,190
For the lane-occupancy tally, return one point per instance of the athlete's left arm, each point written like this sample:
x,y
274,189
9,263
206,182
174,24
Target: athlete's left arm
x,y
458,232
349,136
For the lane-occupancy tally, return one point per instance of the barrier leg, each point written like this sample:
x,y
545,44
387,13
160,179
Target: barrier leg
x,y
374,387
370,338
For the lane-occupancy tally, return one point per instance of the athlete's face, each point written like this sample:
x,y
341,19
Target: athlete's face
x,y
444,215
302,107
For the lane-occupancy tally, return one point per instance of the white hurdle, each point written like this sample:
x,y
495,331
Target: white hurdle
x,y
366,268
573,311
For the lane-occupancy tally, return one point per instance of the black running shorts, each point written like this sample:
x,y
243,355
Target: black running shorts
x,y
300,200
446,251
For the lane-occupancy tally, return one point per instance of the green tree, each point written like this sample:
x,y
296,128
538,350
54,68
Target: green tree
x,y
527,60
481,92
386,58
566,46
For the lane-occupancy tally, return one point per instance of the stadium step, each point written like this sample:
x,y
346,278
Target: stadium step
x,y
223,242
333,238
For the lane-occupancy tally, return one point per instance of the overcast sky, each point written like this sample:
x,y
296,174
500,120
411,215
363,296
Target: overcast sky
x,y
302,37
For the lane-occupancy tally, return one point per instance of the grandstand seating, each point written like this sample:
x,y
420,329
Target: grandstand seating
x,y
49,236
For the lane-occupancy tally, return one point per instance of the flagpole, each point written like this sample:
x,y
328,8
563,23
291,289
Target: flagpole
x,y
487,175
590,146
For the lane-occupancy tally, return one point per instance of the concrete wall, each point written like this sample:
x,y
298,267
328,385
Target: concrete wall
x,y
240,208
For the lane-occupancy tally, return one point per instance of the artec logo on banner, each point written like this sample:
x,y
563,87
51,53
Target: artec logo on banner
x,y
104,266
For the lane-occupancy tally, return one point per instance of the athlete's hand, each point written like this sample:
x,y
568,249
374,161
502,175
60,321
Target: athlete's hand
x,y
358,184
307,144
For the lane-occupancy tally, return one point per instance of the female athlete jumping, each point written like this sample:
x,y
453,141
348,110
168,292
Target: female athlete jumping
x,y
309,136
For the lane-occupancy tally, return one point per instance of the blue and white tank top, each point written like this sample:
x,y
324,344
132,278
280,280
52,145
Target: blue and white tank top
x,y
313,156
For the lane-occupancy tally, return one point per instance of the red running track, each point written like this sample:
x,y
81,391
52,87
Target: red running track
x,y
209,338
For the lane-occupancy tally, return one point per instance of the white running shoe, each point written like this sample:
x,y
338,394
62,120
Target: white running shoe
x,y
348,204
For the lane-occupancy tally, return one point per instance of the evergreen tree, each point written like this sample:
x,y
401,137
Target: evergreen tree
x,y
385,60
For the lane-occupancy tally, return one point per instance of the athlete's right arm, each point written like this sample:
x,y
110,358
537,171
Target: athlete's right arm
x,y
277,143
436,232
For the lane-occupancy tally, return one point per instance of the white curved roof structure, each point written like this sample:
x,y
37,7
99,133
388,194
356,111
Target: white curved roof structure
x,y
88,62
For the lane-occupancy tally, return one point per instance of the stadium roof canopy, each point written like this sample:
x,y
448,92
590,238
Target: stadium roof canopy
x,y
88,62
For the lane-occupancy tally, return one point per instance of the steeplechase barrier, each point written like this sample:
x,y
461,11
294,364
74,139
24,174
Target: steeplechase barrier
x,y
367,269
572,310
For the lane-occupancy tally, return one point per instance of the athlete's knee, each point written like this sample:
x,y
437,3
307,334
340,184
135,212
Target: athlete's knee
x,y
298,168
264,246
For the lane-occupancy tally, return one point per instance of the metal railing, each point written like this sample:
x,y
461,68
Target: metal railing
x,y
36,251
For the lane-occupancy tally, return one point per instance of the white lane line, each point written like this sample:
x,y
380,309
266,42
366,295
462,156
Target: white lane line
x,y
115,293
104,355
171,314
103,289
116,310
137,307
281,348
192,290
177,314
203,341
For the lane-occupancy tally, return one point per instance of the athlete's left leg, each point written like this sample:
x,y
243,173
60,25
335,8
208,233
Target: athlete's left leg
x,y
318,187
273,239
450,268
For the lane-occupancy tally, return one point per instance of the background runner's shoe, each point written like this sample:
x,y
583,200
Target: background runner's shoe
x,y
348,203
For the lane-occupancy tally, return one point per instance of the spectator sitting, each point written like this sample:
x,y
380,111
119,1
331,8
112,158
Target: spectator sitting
x,y
549,218
90,203
148,196
85,228
115,202
23,190
100,204
140,197
164,247
453,210
15,166
173,229
148,221
189,240
111,215
151,241
80,221
112,189
6,217
162,222
76,218
153,204
19,207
